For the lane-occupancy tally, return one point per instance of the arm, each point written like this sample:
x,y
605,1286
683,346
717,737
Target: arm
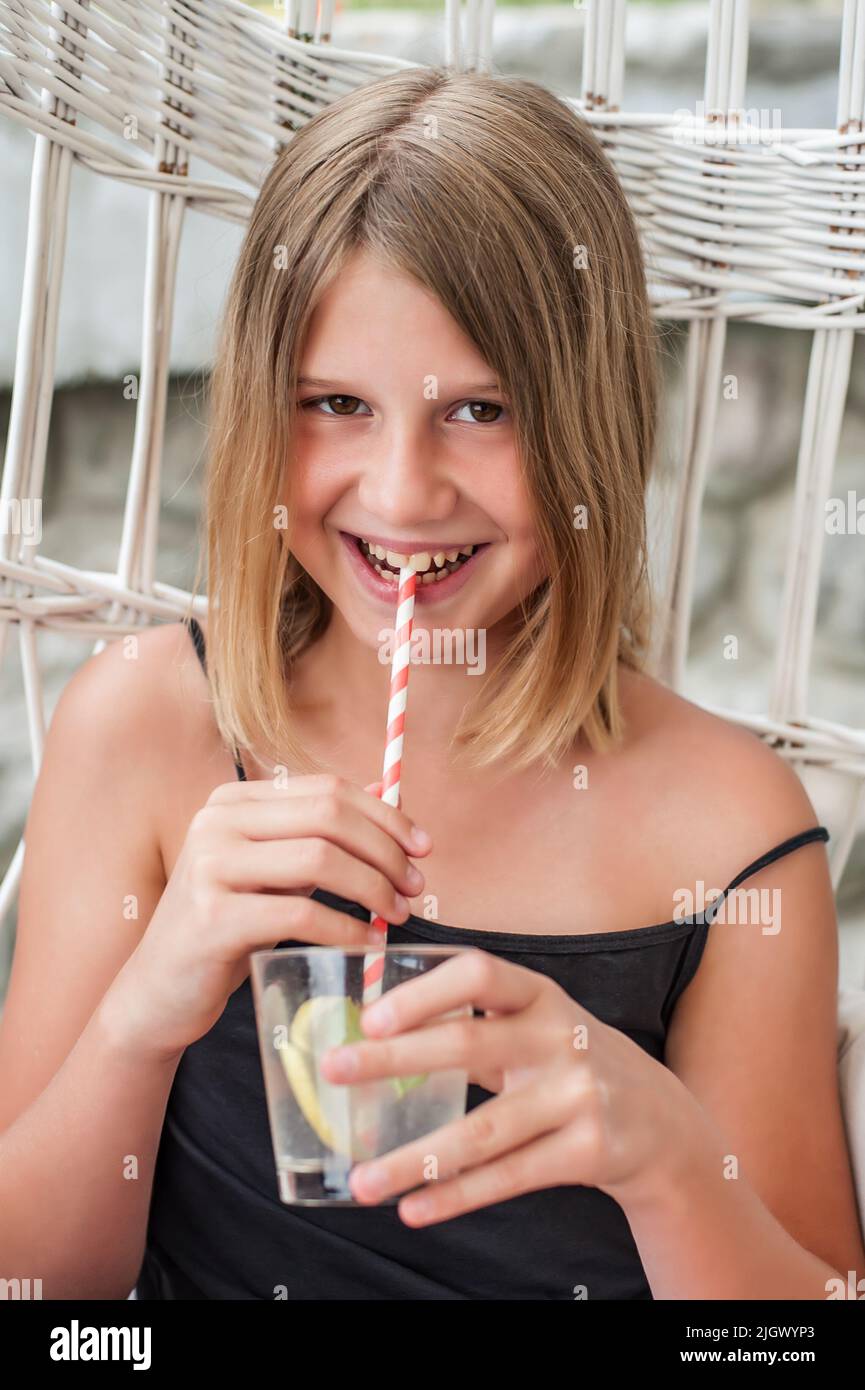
x,y
76,1170
706,1236
74,1106
754,1041
703,1233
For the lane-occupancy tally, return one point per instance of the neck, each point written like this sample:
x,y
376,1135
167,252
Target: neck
x,y
346,684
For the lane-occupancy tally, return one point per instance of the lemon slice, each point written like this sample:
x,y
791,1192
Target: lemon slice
x,y
326,1020
329,1020
340,1116
294,1042
302,1082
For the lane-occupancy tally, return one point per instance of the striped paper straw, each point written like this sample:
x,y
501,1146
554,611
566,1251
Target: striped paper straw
x,y
373,961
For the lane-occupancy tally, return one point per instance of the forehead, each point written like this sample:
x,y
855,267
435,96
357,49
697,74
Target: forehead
x,y
374,317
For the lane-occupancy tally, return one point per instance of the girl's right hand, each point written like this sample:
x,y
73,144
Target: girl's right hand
x,y
242,882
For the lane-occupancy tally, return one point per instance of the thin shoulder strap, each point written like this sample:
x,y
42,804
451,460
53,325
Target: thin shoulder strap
x,y
817,832
703,920
805,837
198,641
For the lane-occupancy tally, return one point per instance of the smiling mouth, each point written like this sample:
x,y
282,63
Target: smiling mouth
x,y
430,566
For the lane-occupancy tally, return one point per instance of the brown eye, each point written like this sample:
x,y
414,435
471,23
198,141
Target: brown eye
x,y
342,405
481,411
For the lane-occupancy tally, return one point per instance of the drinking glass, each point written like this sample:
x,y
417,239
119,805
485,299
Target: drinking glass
x,y
308,999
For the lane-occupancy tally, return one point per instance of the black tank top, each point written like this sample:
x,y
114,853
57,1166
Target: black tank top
x,y
217,1228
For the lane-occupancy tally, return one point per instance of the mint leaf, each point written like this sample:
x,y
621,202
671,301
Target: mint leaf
x,y
353,1031
402,1084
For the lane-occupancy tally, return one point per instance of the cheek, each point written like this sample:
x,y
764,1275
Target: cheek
x,y
508,502
534,571
528,567
528,570
314,483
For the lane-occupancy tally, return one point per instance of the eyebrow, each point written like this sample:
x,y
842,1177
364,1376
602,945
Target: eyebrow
x,y
478,386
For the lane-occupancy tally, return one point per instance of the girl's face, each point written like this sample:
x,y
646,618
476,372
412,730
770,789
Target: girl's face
x,y
404,441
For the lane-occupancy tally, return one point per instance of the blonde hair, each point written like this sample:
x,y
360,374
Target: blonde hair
x,y
496,196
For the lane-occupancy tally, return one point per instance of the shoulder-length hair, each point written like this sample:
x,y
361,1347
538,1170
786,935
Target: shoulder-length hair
x,y
496,196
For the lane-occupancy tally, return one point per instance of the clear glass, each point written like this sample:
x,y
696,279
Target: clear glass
x,y
307,999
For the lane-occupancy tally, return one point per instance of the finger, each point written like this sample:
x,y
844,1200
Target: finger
x,y
388,818
374,787
489,1132
479,1046
259,921
259,865
469,977
545,1162
330,818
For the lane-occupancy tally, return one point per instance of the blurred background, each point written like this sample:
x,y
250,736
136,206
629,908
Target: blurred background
x,y
792,71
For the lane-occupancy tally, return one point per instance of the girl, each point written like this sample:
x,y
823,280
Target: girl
x,y
437,344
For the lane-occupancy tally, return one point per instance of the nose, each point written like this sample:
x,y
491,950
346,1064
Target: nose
x,y
405,478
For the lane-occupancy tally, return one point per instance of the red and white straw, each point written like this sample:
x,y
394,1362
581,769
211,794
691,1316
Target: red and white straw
x,y
373,961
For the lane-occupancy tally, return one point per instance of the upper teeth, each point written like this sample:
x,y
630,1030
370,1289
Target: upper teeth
x,y
419,560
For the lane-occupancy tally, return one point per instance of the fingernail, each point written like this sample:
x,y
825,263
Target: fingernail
x,y
344,1061
401,902
415,877
419,1208
420,838
378,1015
371,1180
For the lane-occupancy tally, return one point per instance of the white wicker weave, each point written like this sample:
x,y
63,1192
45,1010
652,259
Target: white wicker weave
x,y
739,219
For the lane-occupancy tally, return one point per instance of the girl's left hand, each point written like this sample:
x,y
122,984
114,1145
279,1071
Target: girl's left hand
x,y
578,1101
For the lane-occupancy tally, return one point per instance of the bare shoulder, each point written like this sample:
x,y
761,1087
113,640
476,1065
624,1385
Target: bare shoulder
x,y
723,795
131,679
93,828
753,1035
124,727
